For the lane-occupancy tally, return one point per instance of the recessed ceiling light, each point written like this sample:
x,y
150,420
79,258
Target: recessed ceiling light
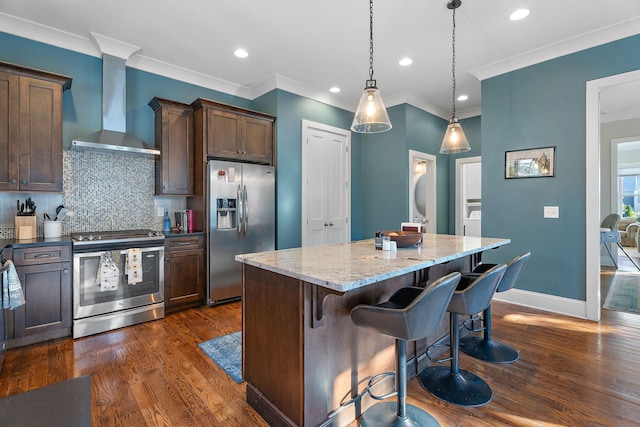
x,y
519,14
405,62
334,89
241,53
462,98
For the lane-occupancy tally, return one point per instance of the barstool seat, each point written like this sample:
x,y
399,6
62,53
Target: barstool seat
x,y
452,384
410,314
484,348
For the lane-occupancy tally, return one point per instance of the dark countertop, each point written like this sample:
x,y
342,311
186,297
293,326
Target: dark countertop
x,y
171,234
38,241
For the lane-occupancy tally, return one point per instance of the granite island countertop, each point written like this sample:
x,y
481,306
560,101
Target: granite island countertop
x,y
347,266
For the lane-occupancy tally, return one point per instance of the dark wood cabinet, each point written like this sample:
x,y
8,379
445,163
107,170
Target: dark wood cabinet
x,y
45,275
174,135
31,129
228,132
184,270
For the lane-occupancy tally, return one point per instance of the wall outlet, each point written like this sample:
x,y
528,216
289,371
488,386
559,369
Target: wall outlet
x,y
160,212
551,212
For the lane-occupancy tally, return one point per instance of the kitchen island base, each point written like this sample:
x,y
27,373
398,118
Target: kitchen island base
x,y
304,361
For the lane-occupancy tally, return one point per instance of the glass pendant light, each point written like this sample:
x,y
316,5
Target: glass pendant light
x,y
454,141
371,116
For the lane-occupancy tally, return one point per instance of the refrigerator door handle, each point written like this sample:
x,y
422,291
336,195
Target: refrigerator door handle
x,y
239,209
245,213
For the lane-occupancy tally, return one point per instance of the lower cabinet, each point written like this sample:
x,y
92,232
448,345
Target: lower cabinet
x,y
184,268
45,275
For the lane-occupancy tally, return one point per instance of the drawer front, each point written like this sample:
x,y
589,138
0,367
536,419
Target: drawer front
x,y
41,255
176,244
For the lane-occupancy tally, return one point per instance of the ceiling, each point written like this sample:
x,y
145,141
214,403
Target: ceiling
x,y
306,47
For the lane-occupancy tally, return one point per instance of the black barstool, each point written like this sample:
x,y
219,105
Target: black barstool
x,y
452,384
484,348
410,314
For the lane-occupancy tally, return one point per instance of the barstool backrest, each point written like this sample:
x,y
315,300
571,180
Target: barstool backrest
x,y
476,297
513,273
420,317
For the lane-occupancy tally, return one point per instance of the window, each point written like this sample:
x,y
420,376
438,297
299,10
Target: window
x,y
629,186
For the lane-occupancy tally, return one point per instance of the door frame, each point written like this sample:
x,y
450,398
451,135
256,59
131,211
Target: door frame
x,y
592,187
307,127
430,197
459,208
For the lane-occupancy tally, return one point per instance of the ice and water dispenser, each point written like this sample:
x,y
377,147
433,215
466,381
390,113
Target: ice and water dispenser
x,y
227,217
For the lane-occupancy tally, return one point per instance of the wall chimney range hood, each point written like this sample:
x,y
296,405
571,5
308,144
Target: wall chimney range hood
x,y
113,136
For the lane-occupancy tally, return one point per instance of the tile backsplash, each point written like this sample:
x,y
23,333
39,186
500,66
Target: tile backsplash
x,y
104,190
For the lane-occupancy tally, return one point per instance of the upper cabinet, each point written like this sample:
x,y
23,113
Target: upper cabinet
x,y
31,129
228,132
174,135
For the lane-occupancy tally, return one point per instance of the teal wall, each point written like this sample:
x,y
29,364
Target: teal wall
x,y
385,168
82,115
544,105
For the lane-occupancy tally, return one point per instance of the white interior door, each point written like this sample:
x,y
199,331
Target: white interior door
x,y
325,184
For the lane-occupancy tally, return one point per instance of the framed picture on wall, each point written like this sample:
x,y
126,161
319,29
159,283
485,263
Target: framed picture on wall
x,y
530,163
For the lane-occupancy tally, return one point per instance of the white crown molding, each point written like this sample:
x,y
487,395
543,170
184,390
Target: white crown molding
x,y
154,66
278,81
585,41
113,47
44,34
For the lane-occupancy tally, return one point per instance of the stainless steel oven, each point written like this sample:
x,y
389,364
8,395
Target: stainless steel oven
x,y
133,290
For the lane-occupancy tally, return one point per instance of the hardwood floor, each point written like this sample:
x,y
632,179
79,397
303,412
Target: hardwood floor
x,y
571,372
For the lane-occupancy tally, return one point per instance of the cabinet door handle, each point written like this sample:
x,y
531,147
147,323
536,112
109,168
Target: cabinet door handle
x,y
184,243
13,181
23,181
65,271
166,260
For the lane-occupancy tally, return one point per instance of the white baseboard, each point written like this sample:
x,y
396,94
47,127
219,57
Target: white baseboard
x,y
552,303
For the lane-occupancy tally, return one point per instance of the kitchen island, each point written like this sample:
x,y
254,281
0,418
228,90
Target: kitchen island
x,y
304,361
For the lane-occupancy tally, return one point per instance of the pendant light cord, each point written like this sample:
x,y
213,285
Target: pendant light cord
x,y
371,42
453,64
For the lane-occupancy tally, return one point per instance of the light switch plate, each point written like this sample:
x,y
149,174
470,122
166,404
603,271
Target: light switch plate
x,y
160,212
551,212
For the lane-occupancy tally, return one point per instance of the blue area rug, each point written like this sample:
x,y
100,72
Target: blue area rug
x,y
226,351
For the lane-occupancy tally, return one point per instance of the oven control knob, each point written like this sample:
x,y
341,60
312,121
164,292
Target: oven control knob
x,y
80,238
150,234
99,237
90,237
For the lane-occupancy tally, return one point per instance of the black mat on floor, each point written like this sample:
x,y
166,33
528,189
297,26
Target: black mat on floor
x,y
65,404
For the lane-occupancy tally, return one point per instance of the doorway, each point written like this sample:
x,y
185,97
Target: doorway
x,y
469,196
326,193
422,190
595,88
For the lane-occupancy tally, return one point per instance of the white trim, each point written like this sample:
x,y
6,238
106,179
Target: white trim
x,y
592,187
598,37
431,214
546,302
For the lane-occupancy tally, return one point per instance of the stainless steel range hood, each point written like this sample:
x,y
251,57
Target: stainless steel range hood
x,y
113,135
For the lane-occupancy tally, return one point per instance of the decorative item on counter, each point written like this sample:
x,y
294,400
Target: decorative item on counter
x,y
379,240
186,220
386,243
402,238
167,222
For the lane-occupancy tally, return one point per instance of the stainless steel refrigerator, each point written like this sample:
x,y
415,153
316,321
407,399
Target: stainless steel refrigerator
x,y
240,219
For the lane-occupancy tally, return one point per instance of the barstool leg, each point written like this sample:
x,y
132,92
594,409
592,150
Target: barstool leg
x,y
452,384
399,414
484,348
401,378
